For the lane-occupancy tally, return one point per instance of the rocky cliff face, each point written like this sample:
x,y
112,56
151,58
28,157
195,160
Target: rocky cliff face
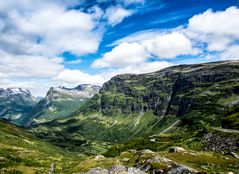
x,y
60,102
16,104
185,91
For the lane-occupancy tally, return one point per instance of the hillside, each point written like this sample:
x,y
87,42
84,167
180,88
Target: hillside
x,y
22,153
170,121
184,98
201,94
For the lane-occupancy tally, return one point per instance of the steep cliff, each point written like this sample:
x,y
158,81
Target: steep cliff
x,y
194,93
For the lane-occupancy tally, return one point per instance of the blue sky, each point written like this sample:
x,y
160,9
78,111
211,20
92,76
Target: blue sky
x,y
66,43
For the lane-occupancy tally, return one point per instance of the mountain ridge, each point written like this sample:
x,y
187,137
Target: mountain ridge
x,y
60,102
16,104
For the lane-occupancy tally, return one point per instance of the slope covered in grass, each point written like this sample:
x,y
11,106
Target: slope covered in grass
x,y
21,152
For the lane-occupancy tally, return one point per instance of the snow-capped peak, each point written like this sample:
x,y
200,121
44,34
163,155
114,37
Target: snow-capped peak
x,y
82,91
18,91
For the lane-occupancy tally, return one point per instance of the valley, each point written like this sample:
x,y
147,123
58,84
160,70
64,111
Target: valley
x,y
180,120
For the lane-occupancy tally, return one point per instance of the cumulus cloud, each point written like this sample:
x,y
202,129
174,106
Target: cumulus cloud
x,y
231,53
116,14
170,45
218,29
145,67
47,29
123,55
78,77
29,66
162,44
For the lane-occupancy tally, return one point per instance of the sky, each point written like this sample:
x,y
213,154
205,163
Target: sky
x,y
66,43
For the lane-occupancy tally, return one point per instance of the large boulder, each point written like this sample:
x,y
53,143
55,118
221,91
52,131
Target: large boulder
x,y
180,169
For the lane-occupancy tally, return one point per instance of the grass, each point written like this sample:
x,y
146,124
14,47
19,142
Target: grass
x,y
21,152
205,161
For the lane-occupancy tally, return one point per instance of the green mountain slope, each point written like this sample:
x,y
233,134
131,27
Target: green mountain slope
x,y
201,94
161,122
16,104
21,152
184,98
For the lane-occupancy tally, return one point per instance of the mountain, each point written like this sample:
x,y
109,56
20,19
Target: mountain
x,y
201,94
185,97
182,119
60,102
16,104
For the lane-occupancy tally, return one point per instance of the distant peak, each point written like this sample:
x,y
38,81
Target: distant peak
x,y
15,90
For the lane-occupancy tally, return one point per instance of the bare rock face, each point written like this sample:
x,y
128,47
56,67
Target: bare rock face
x,y
117,169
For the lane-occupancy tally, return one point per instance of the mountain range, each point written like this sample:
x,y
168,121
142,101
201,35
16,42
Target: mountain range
x,y
19,106
182,119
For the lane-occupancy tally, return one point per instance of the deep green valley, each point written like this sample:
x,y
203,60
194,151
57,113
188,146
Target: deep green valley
x,y
179,120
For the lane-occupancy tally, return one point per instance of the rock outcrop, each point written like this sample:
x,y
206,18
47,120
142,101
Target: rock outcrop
x,y
221,143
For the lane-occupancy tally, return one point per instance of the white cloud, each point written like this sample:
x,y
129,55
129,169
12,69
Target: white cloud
x,y
170,45
145,67
116,14
123,55
46,28
231,53
78,77
162,43
217,29
138,37
29,66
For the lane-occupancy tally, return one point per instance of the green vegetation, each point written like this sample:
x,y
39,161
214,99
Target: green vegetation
x,y
231,120
133,121
21,152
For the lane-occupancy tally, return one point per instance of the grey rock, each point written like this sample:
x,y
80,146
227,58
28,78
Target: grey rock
x,y
219,143
97,170
177,149
180,169
118,169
